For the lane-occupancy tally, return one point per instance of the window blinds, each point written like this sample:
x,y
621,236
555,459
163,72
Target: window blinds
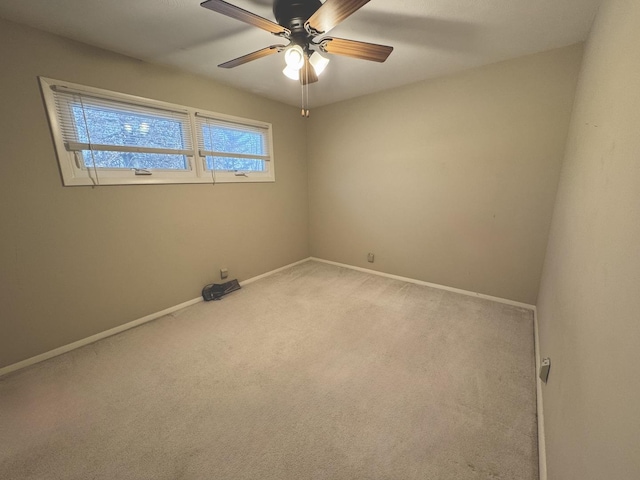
x,y
92,122
121,139
227,139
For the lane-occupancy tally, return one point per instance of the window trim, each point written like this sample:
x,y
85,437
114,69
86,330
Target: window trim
x,y
225,176
73,173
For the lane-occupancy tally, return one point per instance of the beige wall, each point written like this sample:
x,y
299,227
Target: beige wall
x,y
449,181
589,306
75,261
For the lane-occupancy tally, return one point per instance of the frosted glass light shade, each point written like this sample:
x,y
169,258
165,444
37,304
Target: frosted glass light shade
x,y
292,73
294,57
318,62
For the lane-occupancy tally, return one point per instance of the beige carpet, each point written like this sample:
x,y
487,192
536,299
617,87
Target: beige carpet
x,y
317,372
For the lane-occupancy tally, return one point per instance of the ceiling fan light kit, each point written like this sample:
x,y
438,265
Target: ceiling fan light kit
x,y
292,73
301,22
318,62
294,57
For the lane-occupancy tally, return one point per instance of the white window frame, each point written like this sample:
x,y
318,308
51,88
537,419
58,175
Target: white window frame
x,y
234,122
74,173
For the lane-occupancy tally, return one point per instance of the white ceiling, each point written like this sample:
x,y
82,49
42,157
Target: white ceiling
x,y
431,38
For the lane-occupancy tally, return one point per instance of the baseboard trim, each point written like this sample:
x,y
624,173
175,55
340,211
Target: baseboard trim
x,y
542,446
121,328
542,453
277,270
148,318
428,284
94,338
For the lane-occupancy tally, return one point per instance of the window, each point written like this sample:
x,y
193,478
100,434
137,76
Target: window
x,y
232,147
107,138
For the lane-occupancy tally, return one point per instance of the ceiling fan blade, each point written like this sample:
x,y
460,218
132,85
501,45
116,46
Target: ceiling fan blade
x,y
265,52
308,73
331,13
352,48
245,16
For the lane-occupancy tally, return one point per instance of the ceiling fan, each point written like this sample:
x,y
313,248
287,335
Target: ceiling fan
x,y
303,23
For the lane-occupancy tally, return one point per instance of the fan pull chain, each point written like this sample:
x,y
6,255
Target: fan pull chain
x,y
302,92
306,87
307,65
305,90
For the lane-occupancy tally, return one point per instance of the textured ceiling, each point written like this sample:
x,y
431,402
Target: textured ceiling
x,y
431,38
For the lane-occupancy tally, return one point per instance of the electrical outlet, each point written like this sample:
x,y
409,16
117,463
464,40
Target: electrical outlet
x,y
370,257
224,273
545,367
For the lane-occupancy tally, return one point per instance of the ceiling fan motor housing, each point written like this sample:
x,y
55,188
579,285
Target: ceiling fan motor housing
x,y
292,14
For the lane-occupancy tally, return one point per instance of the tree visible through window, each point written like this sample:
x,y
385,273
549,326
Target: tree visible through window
x,y
233,141
110,138
104,126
